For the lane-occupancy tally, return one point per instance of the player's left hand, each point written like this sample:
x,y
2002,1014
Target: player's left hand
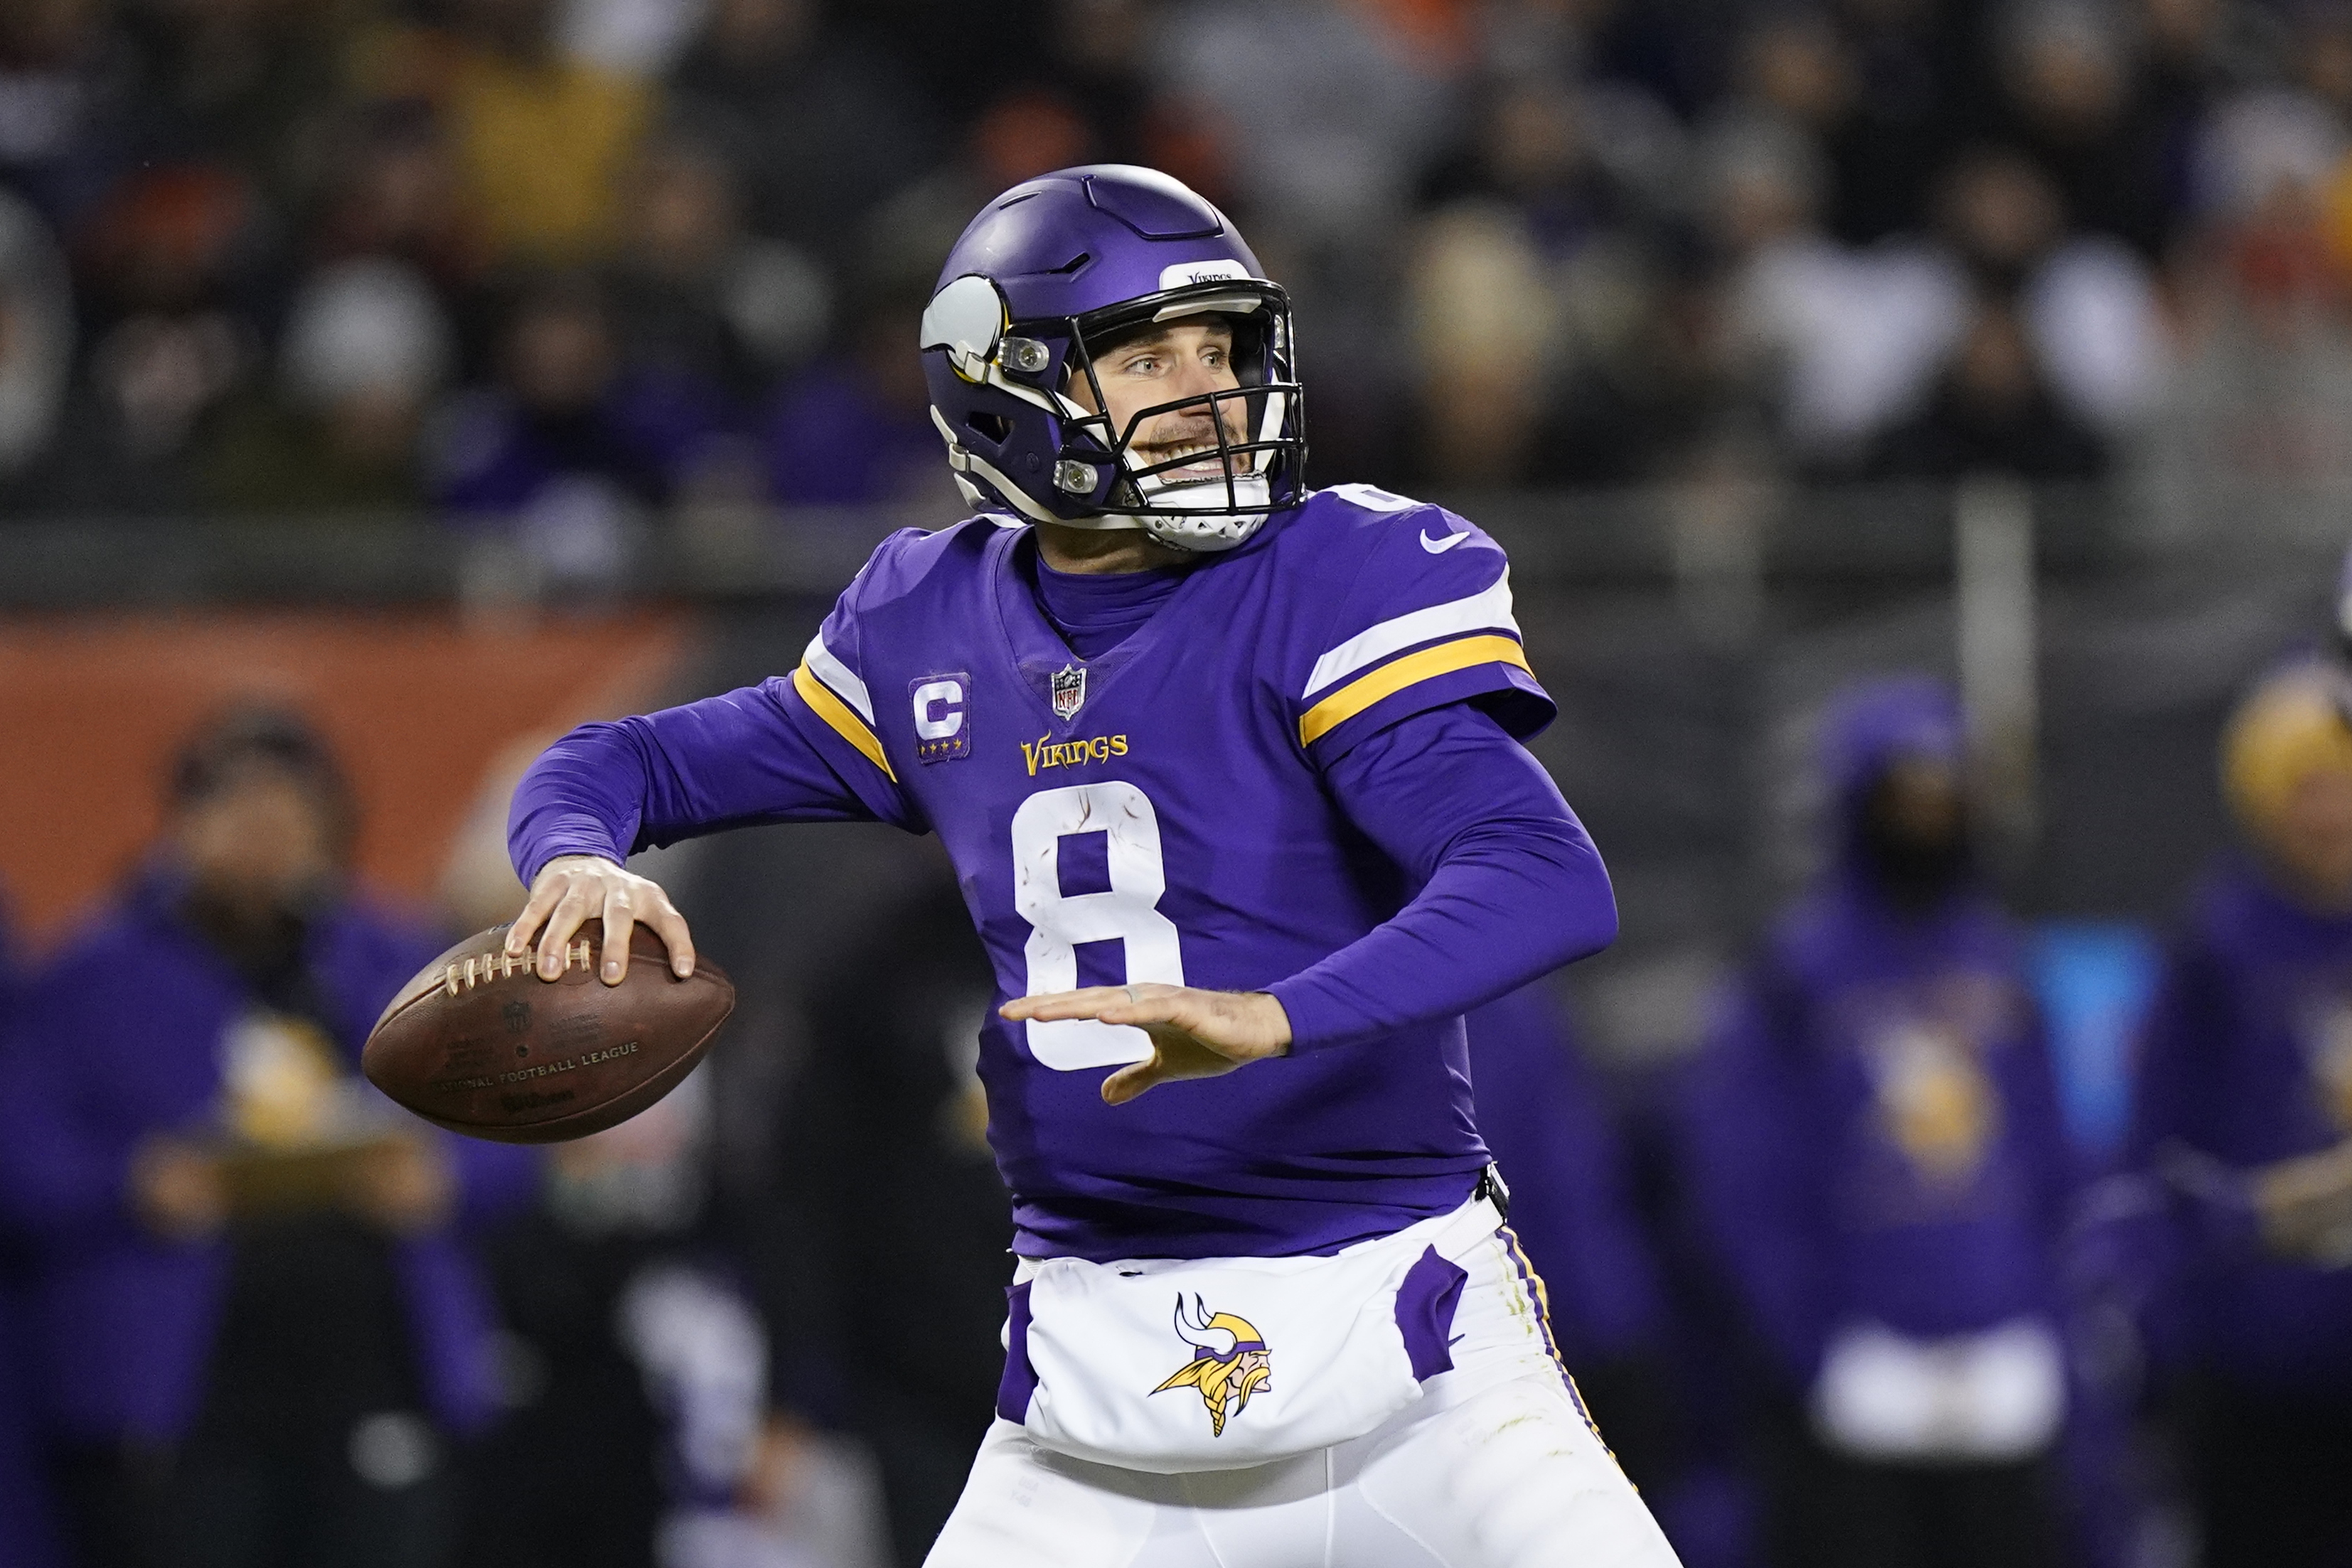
x,y
1195,1033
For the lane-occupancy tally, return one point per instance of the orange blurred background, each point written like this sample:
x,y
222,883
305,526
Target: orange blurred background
x,y
420,705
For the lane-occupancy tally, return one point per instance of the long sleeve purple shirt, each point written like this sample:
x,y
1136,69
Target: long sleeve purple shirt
x,y
1378,851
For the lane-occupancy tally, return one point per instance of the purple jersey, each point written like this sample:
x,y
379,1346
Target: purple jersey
x,y
1161,813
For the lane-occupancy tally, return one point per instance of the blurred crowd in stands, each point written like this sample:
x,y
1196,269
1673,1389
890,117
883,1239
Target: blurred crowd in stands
x,y
563,264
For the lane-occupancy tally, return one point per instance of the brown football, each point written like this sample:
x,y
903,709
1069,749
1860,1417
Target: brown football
x,y
479,1044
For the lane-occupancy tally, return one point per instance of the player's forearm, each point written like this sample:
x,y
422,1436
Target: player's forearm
x,y
1513,900
725,761
1511,886
584,796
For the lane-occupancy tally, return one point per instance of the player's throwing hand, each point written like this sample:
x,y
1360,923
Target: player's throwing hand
x,y
1195,1033
570,889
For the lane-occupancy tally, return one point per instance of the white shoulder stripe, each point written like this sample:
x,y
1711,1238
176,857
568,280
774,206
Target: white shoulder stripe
x,y
838,677
1481,612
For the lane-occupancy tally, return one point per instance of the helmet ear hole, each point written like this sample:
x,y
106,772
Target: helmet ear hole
x,y
992,428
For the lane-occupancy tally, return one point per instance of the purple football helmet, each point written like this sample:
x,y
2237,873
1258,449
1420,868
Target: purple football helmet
x,y
1049,275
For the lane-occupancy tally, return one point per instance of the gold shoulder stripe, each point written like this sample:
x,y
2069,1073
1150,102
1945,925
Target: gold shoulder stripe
x,y
1413,668
835,712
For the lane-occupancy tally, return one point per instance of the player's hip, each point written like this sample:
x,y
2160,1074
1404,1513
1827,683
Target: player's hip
x,y
1496,1467
1171,1366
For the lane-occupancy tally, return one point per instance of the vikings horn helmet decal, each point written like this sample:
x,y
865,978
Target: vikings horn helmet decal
x,y
1050,274
1230,1362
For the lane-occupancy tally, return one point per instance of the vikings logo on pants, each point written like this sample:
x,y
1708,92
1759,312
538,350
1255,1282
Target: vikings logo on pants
x,y
1230,1362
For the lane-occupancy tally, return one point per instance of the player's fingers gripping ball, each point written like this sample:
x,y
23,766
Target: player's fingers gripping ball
x,y
571,889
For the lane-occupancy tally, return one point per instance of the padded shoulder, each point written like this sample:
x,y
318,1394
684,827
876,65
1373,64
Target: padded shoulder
x,y
903,562
1414,611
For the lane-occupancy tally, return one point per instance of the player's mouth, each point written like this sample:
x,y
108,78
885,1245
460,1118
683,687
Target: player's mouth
x,y
1210,463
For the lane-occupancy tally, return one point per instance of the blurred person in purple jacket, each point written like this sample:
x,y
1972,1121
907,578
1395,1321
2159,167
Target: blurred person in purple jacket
x,y
2245,1104
1873,1150
226,1381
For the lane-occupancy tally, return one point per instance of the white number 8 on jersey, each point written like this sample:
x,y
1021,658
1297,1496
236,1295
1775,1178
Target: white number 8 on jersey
x,y
1128,912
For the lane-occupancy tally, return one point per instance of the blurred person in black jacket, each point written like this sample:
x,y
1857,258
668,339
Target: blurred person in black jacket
x,y
585,1282
886,1274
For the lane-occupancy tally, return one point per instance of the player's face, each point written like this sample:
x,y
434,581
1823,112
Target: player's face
x,y
1183,359
1918,801
2313,835
261,842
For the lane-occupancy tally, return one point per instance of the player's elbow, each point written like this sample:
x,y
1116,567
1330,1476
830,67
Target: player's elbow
x,y
1592,923
1584,903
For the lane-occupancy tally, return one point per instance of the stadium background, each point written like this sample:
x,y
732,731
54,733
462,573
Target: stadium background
x,y
458,369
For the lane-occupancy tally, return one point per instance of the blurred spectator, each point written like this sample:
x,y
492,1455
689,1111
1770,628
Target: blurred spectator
x,y
2076,108
2192,53
1101,58
855,429
541,139
2245,1104
396,191
245,83
1020,134
1884,112
1874,1149
36,335
2010,343
2321,51
2263,393
819,127
257,1331
1539,307
1828,344
883,1253
1991,412
365,350
1338,113
67,81
632,38
573,446
167,258
693,296
2086,304
962,56
636,1378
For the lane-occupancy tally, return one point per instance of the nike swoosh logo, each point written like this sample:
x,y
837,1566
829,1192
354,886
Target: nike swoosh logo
x,y
1440,545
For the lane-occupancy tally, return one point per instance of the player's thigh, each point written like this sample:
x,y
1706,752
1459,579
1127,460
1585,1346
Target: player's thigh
x,y
1511,1478
1025,1506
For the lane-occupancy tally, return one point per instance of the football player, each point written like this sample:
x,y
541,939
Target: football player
x,y
1232,776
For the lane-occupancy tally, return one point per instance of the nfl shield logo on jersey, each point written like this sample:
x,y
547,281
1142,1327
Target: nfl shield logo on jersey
x,y
1069,691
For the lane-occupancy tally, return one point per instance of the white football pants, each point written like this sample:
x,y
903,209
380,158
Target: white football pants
x,y
1494,1466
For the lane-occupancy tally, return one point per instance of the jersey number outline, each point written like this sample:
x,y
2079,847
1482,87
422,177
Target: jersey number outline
x,y
1128,912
